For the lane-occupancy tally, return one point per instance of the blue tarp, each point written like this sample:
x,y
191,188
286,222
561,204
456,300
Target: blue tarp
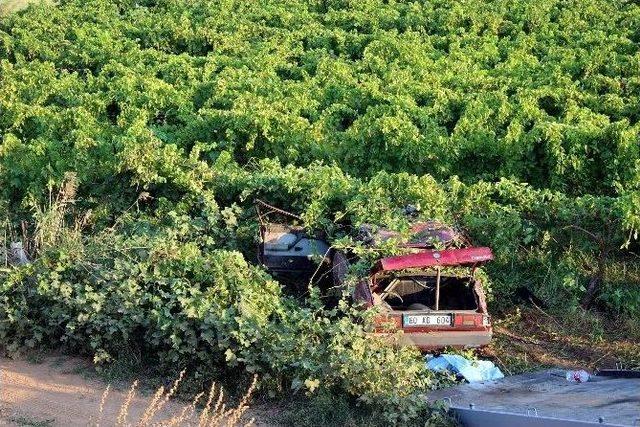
x,y
470,370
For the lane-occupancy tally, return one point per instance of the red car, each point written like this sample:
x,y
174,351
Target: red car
x,y
434,308
433,295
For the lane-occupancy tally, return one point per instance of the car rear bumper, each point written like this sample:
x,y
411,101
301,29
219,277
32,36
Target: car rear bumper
x,y
440,339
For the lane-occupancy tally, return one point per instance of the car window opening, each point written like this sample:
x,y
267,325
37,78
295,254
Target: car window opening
x,y
423,293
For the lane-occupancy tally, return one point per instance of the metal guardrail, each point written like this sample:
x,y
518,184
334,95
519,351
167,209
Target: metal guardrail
x,y
472,417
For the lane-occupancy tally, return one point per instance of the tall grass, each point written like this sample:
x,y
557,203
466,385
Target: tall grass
x,y
214,413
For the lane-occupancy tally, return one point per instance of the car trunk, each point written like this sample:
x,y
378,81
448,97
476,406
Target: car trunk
x,y
416,302
411,293
419,295
455,311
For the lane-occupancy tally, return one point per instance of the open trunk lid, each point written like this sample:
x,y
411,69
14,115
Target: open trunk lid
x,y
434,258
421,302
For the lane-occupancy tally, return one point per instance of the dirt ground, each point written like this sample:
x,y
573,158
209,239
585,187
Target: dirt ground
x,y
55,392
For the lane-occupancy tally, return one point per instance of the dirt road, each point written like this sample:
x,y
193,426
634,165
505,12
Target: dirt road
x,y
54,393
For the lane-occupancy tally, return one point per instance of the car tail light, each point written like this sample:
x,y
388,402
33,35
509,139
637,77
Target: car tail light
x,y
385,322
476,320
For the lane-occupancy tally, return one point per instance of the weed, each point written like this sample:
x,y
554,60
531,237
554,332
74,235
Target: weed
x,y
36,356
27,421
333,409
214,413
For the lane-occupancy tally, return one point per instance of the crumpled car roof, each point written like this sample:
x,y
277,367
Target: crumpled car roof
x,y
424,234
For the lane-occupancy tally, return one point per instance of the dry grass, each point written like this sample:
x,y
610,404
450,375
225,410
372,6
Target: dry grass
x,y
57,223
9,6
214,413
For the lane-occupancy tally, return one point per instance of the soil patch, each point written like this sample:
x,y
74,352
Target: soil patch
x,y
56,391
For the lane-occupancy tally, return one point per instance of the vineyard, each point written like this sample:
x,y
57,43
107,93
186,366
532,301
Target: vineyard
x,y
136,135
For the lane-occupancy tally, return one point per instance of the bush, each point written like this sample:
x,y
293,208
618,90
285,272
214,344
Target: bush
x,y
125,91
207,310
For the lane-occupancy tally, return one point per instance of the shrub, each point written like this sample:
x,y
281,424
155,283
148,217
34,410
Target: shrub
x,y
204,309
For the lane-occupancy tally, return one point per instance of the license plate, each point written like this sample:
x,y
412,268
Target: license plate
x,y
426,320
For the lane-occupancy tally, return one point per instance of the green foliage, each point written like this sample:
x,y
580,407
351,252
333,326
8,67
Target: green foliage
x,y
138,92
180,303
335,410
515,121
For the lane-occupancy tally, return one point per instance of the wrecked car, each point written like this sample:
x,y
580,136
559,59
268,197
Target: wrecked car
x,y
431,293
287,250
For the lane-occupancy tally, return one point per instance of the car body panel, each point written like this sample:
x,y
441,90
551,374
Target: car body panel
x,y
434,340
432,258
421,235
289,249
473,326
